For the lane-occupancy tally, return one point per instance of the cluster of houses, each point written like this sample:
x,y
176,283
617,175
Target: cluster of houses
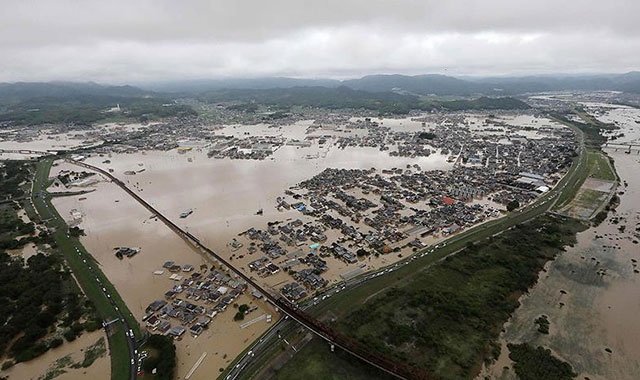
x,y
404,204
295,233
193,302
396,210
246,147
293,291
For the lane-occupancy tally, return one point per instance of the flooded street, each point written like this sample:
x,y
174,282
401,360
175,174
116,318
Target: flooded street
x,y
226,194
110,218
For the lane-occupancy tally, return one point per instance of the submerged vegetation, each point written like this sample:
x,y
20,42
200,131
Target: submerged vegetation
x,y
40,303
538,363
163,357
543,324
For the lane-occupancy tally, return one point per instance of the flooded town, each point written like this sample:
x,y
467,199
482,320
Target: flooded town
x,y
299,206
319,190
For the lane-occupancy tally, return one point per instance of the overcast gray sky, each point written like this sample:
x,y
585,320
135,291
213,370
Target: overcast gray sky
x,y
138,40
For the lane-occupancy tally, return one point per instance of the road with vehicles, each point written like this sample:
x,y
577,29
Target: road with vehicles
x,y
42,205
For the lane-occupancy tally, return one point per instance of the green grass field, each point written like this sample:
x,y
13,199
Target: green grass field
x,y
316,361
600,168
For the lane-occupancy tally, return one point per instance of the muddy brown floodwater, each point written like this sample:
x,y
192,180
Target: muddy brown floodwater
x,y
224,195
591,292
70,352
110,218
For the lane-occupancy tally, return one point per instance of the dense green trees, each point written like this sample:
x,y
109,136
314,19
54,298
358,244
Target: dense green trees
x,y
91,109
446,318
12,175
538,363
37,295
512,205
163,358
33,298
386,103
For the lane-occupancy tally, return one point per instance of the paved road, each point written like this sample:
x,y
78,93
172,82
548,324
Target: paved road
x,y
131,340
46,214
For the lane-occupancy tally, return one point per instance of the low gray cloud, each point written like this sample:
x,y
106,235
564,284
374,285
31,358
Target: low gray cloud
x,y
128,41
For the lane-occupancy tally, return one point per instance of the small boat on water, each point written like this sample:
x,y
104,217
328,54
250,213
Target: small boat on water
x,y
186,213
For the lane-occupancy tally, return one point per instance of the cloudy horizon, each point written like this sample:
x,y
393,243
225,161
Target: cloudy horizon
x,y
122,42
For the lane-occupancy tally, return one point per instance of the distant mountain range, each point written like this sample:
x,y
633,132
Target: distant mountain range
x,y
422,84
33,103
14,93
21,91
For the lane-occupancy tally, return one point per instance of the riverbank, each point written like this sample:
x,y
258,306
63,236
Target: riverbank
x,y
588,293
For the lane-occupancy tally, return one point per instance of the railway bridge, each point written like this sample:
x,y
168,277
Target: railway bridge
x,y
365,353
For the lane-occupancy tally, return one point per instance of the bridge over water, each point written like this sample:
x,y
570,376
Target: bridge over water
x,y
28,151
627,146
